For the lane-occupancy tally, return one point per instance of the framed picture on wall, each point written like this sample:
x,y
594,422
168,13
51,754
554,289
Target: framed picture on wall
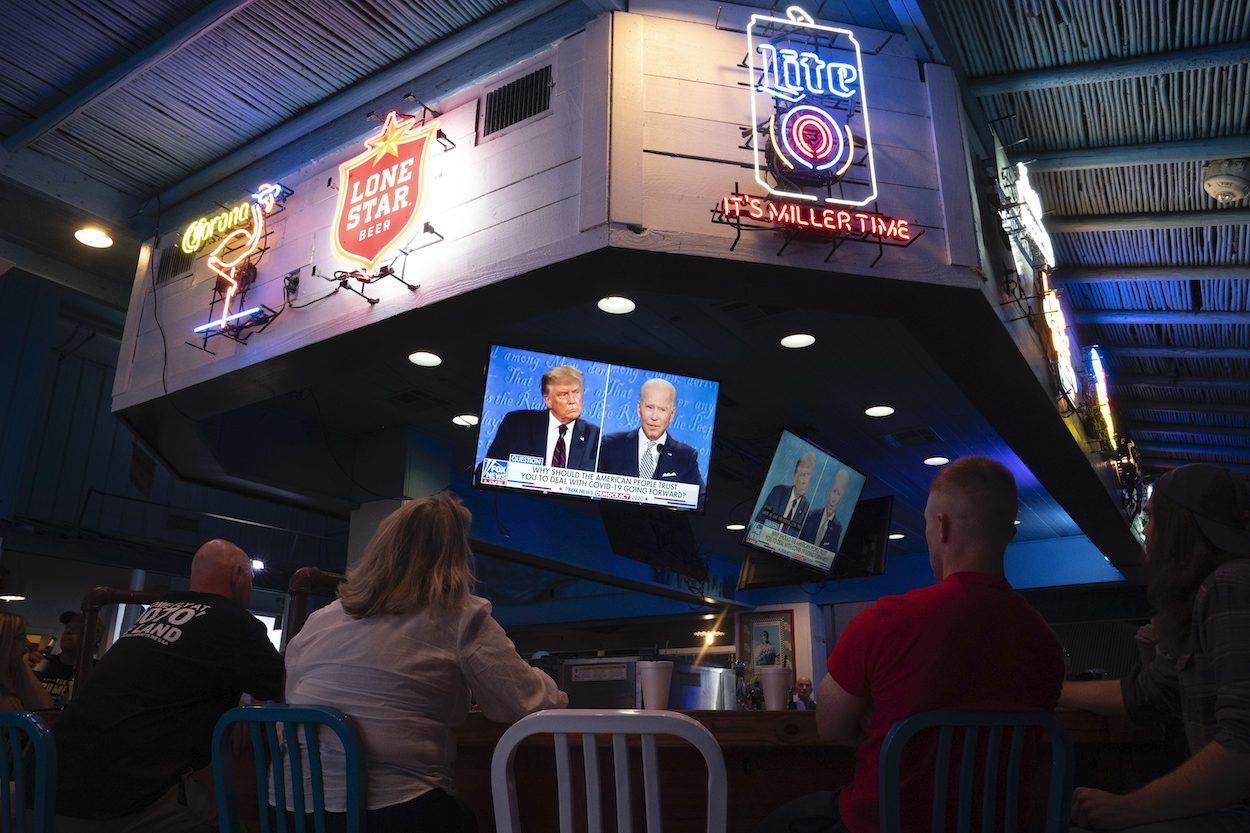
x,y
766,638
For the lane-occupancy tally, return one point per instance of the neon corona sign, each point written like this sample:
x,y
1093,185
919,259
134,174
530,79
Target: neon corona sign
x,y
805,144
1100,393
1057,323
381,190
834,221
198,233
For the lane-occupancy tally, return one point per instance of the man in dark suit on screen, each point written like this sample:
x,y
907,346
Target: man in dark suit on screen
x,y
786,506
556,435
649,451
822,528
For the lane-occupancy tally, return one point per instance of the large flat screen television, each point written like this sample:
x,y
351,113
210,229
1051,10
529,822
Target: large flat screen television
x,y
805,505
563,425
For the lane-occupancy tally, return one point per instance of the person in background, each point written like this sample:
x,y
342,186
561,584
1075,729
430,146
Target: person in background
x,y
57,670
134,745
556,434
968,642
786,506
1198,561
401,651
20,689
649,451
823,528
803,692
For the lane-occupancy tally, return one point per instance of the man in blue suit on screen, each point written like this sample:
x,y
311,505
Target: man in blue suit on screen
x,y
554,436
649,451
823,528
786,506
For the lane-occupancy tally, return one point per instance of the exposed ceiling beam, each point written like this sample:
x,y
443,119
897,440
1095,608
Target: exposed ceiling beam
x,y
1180,407
44,175
117,75
1133,316
1192,448
1117,70
1234,382
1188,430
110,293
1080,159
1150,220
1101,274
386,80
1161,352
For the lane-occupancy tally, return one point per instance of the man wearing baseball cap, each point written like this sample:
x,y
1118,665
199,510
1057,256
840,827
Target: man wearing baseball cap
x,y
1198,559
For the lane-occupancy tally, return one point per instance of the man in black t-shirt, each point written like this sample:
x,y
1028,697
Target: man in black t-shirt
x,y
57,671
134,743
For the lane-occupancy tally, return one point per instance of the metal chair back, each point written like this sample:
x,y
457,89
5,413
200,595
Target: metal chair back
x,y
1002,729
27,753
620,725
275,759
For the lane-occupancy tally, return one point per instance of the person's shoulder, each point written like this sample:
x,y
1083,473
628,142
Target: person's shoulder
x,y
616,438
678,447
522,415
1230,580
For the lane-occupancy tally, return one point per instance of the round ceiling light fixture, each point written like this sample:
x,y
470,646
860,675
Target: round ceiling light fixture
x,y
617,305
796,341
424,358
735,527
897,536
12,597
935,461
465,420
93,236
1017,523
879,411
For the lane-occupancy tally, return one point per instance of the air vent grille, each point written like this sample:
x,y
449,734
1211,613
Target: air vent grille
x,y
911,438
516,101
174,264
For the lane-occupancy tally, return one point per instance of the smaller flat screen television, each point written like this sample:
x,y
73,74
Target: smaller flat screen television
x,y
630,435
805,505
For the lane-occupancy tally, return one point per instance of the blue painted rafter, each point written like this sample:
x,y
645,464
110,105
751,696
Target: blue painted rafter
x,y
1149,220
117,75
1107,273
1159,316
1194,448
1079,159
1100,71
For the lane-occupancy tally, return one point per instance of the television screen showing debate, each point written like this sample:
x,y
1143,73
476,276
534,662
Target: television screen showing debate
x,y
563,425
806,504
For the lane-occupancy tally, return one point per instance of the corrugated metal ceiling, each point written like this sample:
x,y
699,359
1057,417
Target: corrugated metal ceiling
x,y
1010,36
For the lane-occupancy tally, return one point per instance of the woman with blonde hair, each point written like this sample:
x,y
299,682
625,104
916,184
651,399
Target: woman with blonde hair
x,y
20,689
401,651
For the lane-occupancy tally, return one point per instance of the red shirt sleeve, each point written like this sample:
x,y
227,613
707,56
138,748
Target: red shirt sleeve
x,y
851,660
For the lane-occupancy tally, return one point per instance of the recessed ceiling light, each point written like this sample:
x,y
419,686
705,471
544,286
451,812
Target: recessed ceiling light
x,y
735,527
897,536
797,340
96,238
1017,523
879,411
709,600
423,358
707,616
616,305
935,461
257,565
465,420
12,598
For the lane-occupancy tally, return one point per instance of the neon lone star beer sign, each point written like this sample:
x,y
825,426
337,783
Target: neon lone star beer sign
x,y
381,190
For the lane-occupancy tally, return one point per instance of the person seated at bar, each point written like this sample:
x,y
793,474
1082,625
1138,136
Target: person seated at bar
x,y
803,696
57,670
134,745
20,689
401,651
1197,548
967,643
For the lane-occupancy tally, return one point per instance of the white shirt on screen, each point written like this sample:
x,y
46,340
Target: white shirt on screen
x,y
643,442
553,434
405,680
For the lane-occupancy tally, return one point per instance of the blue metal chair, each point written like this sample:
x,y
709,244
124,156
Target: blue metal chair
x,y
1016,724
16,728
263,725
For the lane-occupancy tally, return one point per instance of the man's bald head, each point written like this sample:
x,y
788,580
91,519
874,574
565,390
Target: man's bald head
x,y
970,516
221,567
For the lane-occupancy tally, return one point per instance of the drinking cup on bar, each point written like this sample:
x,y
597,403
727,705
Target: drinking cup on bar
x,y
656,678
775,680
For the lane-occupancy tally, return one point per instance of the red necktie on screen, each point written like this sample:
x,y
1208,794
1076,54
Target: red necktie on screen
x,y
558,459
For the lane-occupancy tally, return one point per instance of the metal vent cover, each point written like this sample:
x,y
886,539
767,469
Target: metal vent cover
x,y
174,264
516,101
911,438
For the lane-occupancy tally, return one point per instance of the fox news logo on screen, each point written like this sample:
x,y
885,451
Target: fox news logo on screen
x,y
811,139
494,472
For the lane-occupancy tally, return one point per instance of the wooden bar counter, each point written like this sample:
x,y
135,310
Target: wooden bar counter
x,y
771,758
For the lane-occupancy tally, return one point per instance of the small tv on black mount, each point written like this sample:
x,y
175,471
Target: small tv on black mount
x,y
562,425
805,504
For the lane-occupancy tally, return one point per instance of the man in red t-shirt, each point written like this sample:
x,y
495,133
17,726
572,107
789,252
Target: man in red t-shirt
x,y
967,643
